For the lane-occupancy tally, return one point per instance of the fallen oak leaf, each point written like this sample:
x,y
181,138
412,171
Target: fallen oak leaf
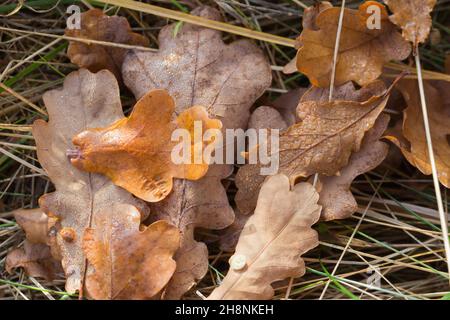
x,y
136,152
412,141
336,199
322,142
86,100
128,263
335,196
413,16
362,51
95,25
262,118
36,259
328,132
228,237
346,92
286,104
308,22
197,67
266,117
194,204
272,241
34,222
35,255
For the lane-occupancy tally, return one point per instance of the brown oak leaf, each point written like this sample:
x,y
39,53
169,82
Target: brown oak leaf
x,y
308,22
322,142
35,255
87,100
413,142
36,259
229,236
95,25
194,204
287,103
197,67
362,51
136,152
128,262
272,241
34,223
413,16
266,117
336,199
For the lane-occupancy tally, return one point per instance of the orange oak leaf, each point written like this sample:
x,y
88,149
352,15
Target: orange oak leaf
x,y
362,51
413,16
197,67
136,152
412,141
322,142
87,100
128,262
308,22
272,242
95,25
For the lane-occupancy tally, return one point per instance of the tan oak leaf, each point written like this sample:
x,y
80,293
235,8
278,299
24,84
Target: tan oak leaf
x,y
87,100
272,242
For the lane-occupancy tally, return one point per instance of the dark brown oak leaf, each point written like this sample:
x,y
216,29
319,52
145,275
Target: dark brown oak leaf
x,y
95,25
87,100
229,236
